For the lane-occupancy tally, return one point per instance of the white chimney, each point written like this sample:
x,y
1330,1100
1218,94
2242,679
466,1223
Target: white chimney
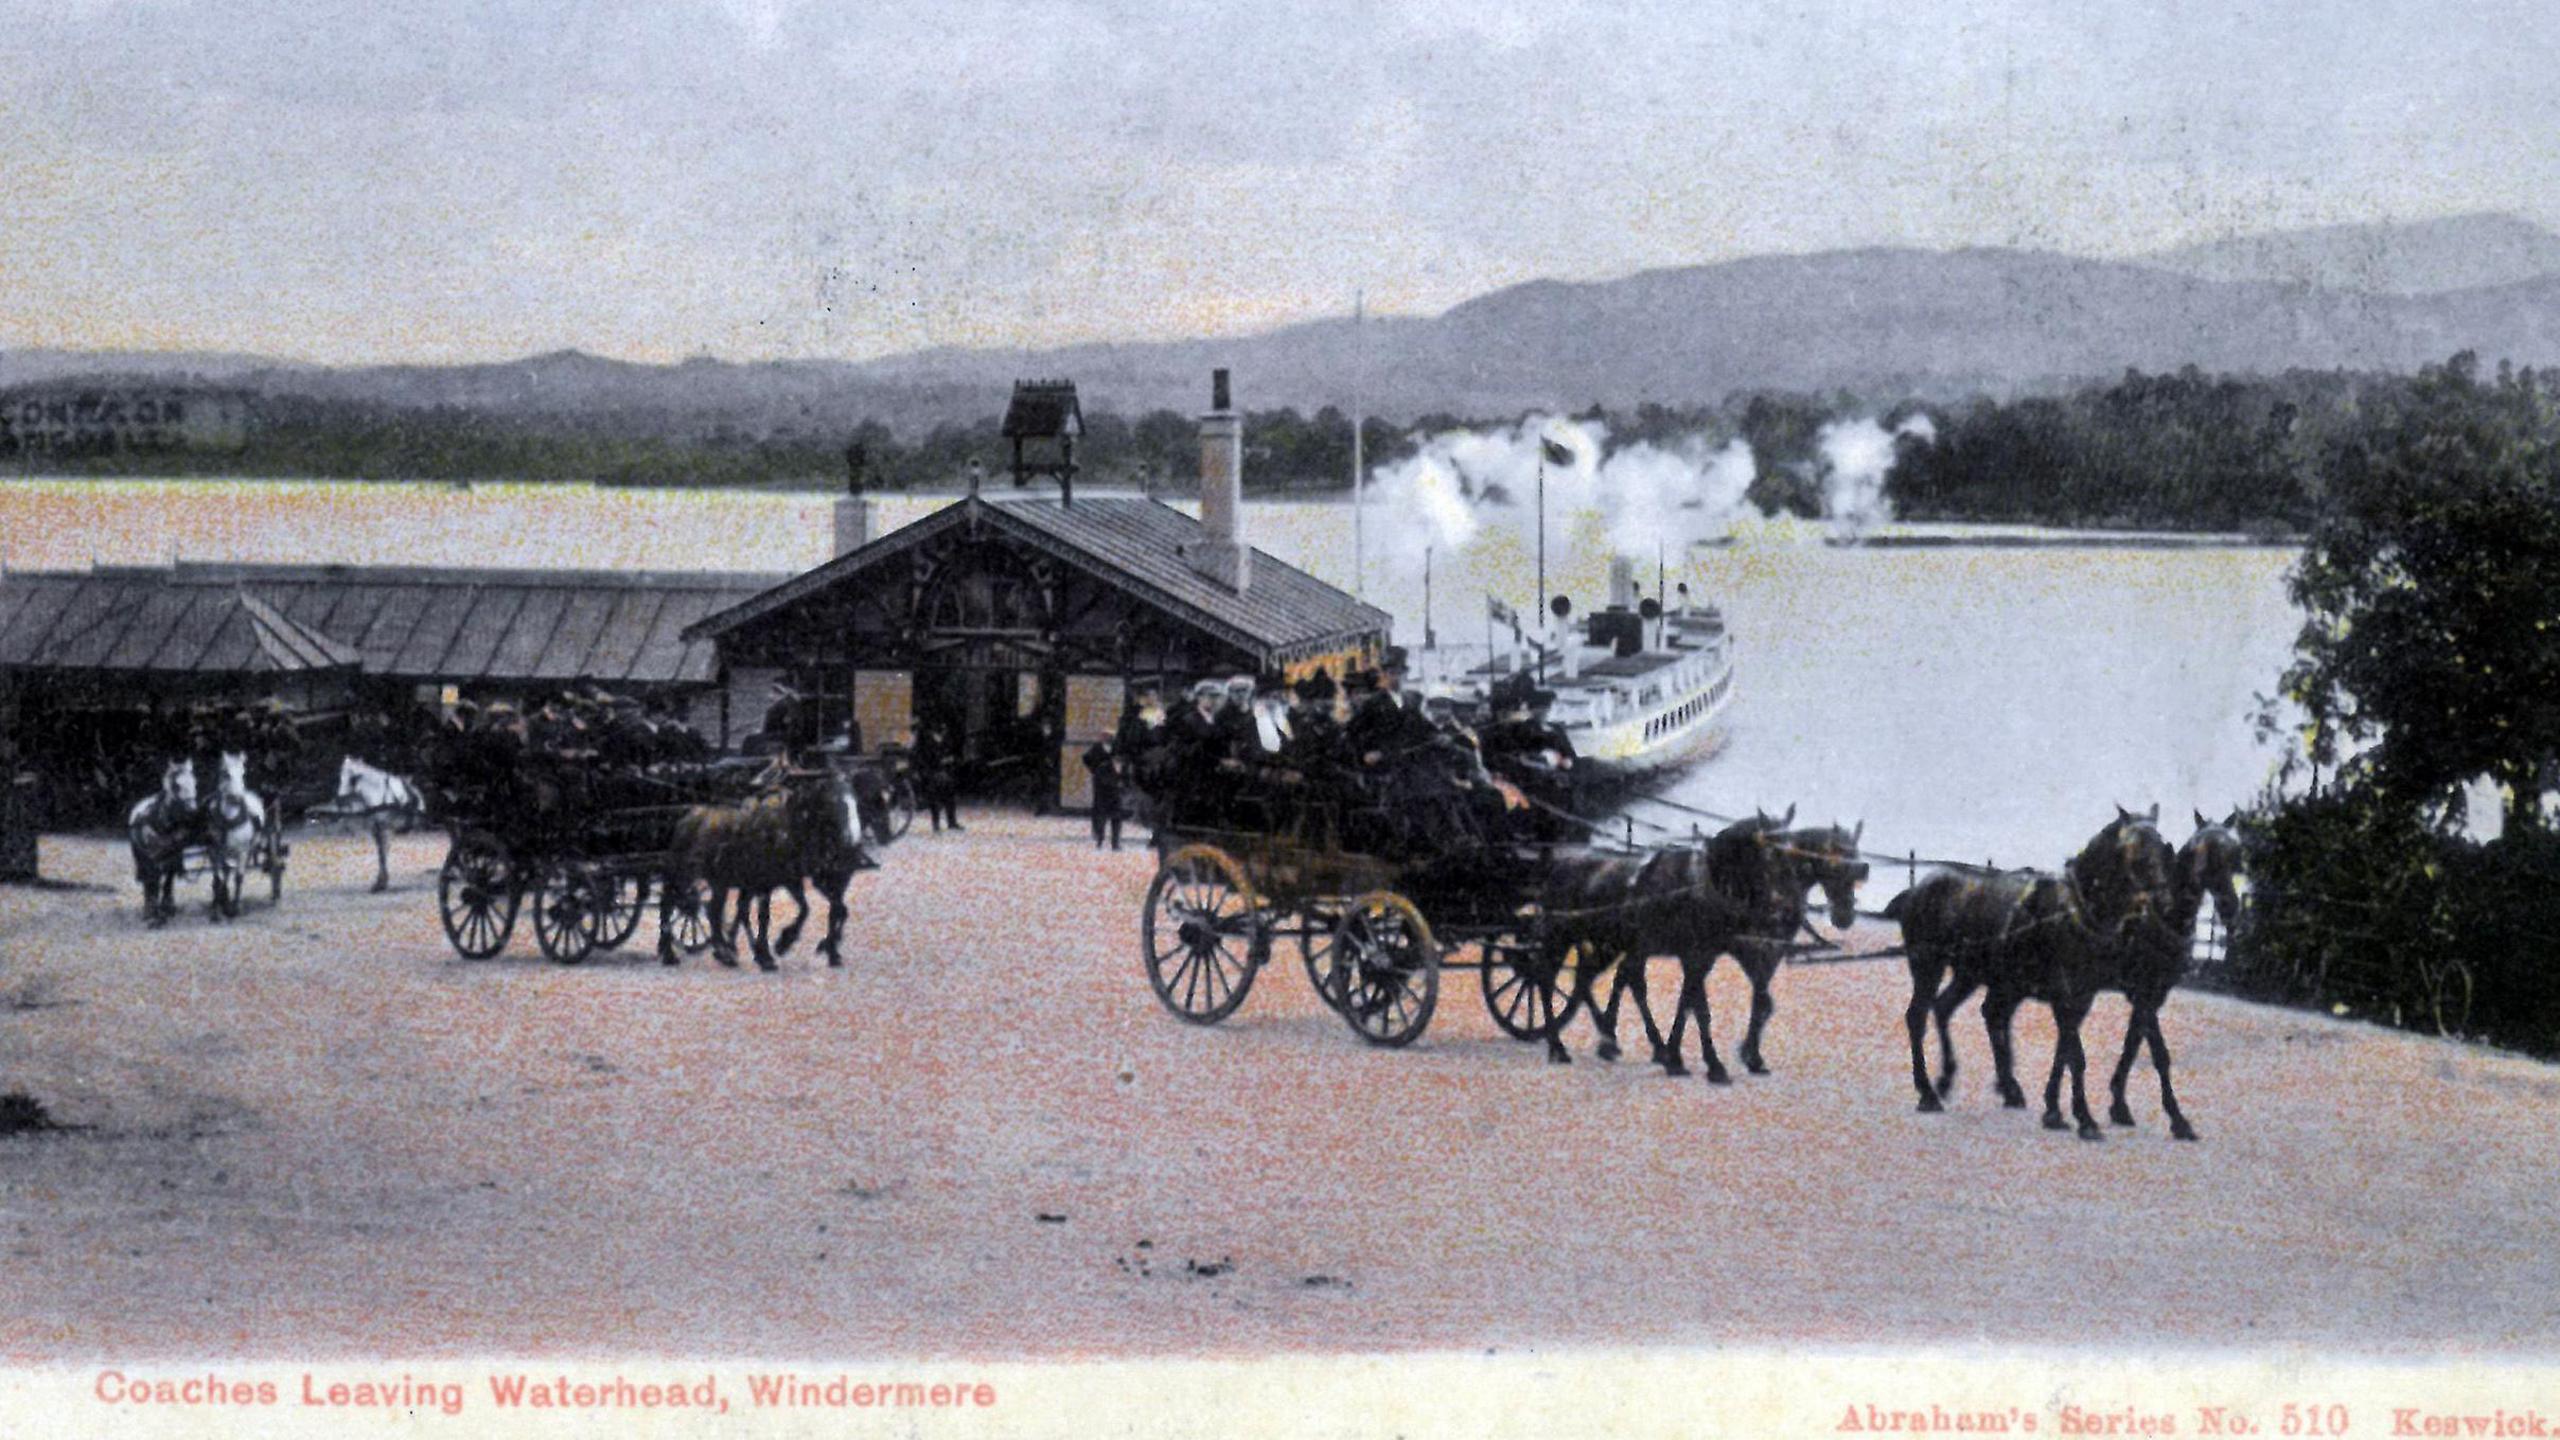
x,y
853,524
1221,553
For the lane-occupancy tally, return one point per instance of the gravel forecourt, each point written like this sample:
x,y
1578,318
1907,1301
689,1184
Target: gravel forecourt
x,y
316,1133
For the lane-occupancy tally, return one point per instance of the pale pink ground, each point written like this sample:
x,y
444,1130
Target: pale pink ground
x,y
318,1133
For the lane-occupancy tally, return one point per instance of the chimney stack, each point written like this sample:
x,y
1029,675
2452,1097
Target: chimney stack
x,y
1221,553
1622,583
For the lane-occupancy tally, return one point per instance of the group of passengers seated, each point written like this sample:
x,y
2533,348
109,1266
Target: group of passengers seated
x,y
1391,775
582,746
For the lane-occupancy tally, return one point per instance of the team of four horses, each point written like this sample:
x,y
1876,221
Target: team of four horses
x,y
1554,925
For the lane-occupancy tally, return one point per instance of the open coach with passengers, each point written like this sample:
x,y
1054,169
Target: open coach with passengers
x,y
1383,847
584,833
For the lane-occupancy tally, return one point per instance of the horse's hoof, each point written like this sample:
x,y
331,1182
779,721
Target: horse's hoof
x,y
1608,1050
2120,1114
1931,1105
1947,1086
1718,1076
1755,1066
2013,1099
2181,1130
381,885
2089,1130
835,962
768,967
1674,1069
2053,1121
731,961
1558,1055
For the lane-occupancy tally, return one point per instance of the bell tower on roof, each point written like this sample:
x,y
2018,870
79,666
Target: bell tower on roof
x,y
1044,422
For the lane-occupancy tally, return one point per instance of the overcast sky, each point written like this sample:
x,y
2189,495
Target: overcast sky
x,y
354,180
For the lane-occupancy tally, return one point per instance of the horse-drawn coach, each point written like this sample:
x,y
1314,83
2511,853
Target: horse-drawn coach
x,y
585,848
1379,895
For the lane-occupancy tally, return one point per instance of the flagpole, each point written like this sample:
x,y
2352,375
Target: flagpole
x,y
1359,471
1542,553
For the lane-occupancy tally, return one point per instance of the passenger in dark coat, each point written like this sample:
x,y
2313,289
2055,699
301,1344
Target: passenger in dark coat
x,y
1201,750
1102,761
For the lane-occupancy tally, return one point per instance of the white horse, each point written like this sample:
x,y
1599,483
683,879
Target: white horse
x,y
380,799
161,827
233,821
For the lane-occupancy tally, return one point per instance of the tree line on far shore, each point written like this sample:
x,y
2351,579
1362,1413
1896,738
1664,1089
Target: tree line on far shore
x,y
2183,451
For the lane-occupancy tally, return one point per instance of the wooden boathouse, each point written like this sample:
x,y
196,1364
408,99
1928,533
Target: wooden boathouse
x,y
1021,621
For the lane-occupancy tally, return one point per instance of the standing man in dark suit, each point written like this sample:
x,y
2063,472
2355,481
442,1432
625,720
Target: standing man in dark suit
x,y
937,759
1102,760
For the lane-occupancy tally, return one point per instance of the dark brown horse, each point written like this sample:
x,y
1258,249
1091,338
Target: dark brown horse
x,y
1693,903
1824,859
2028,935
810,825
833,866
2207,866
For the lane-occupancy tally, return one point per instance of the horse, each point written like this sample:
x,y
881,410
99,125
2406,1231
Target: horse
x,y
382,800
2030,935
811,825
232,821
160,827
2205,867
834,866
1693,902
1824,858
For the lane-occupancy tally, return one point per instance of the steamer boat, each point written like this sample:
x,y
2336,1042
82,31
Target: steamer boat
x,y
1641,691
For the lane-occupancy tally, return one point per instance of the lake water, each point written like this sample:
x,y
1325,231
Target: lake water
x,y
1967,703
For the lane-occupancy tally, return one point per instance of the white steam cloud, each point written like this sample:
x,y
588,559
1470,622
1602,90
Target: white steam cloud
x,y
1856,455
1462,483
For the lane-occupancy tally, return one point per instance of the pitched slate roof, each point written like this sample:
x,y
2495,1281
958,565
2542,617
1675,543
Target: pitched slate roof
x,y
1138,545
400,622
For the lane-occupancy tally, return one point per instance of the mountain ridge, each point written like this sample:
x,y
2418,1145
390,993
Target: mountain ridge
x,y
1885,322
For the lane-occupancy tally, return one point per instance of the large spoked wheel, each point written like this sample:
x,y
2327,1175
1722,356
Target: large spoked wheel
x,y
1389,967
1205,939
1526,987
565,908
1317,952
476,892
623,899
902,809
689,917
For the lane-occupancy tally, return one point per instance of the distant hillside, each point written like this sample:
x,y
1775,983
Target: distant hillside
x,y
2425,257
31,367
1884,324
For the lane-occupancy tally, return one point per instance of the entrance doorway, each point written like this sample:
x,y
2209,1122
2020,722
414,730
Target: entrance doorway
x,y
1008,723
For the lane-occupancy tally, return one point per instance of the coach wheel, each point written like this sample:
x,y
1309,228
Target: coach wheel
x,y
1317,951
1205,939
476,893
565,908
689,917
902,809
622,899
1390,969
1526,987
